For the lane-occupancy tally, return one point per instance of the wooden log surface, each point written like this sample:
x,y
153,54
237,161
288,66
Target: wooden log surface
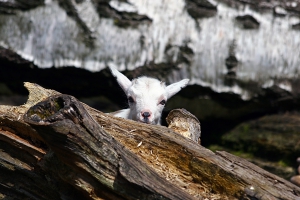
x,y
55,147
79,141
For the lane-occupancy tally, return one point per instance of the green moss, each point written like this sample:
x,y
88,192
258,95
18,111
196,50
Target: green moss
x,y
245,128
283,163
243,154
239,153
216,147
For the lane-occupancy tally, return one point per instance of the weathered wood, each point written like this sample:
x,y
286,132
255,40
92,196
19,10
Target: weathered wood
x,y
79,142
196,169
185,123
67,150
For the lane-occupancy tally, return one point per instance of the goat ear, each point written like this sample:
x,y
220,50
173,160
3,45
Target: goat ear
x,y
176,87
123,81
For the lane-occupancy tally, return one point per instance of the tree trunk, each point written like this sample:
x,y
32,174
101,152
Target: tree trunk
x,y
55,147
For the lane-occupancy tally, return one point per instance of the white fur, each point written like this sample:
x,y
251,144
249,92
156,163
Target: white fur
x,y
147,95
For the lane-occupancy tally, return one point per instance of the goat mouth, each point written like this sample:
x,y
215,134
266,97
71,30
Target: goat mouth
x,y
145,120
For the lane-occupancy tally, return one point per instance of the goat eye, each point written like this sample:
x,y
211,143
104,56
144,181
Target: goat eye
x,y
130,100
163,102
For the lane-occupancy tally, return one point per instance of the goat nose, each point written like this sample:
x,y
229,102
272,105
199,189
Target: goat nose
x,y
146,114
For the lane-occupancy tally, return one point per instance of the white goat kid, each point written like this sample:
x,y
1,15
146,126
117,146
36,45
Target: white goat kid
x,y
146,97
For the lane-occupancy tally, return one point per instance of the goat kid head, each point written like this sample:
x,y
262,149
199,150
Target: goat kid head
x,y
147,96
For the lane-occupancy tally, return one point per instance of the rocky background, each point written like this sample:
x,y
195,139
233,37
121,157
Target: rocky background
x,y
242,57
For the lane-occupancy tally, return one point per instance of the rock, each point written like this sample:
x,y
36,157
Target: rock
x,y
275,137
130,34
298,161
296,180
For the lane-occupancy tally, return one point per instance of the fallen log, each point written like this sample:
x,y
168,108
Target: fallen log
x,y
55,147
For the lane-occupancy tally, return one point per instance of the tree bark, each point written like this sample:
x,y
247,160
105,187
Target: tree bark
x,y
55,147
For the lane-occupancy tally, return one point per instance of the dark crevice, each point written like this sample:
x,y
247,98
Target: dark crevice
x,y
121,19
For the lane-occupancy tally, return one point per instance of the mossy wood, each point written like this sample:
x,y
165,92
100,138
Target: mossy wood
x,y
55,147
